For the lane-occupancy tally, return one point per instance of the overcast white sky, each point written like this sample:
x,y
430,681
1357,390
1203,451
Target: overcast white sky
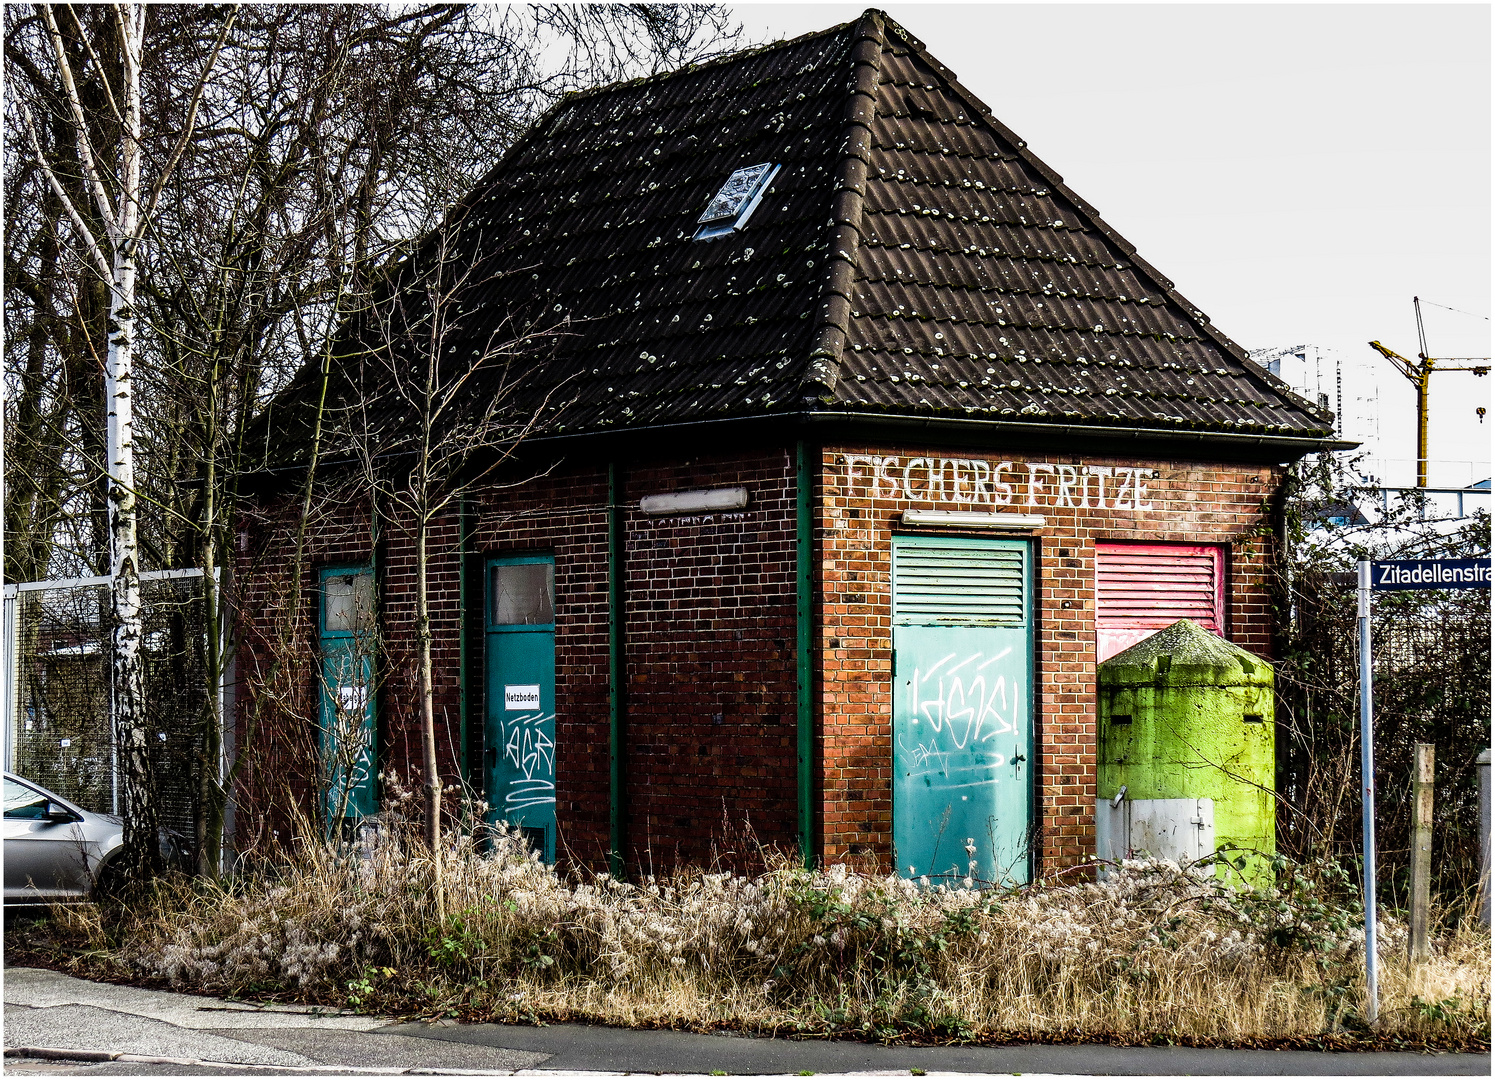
x,y
1299,171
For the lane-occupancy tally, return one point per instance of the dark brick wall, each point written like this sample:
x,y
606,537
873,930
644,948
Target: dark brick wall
x,y
710,652
277,688
711,661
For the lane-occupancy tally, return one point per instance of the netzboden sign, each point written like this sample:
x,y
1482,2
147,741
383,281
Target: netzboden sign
x,y
976,482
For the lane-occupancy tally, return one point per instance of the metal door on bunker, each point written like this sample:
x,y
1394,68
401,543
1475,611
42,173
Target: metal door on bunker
x,y
962,708
519,733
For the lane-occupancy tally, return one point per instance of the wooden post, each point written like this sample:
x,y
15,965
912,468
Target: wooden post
x,y
1482,766
1422,848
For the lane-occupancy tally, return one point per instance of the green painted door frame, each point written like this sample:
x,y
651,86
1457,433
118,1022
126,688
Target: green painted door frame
x,y
520,668
616,668
346,735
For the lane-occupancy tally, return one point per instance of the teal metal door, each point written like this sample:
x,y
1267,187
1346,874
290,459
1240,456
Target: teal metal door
x,y
519,734
962,707
345,737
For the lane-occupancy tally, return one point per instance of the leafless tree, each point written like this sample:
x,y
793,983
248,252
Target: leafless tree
x,y
328,137
428,414
123,204
1431,654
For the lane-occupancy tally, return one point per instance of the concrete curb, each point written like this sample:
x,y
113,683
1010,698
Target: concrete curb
x,y
54,1053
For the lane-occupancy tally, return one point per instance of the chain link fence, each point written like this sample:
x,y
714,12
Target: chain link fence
x,y
57,716
1431,660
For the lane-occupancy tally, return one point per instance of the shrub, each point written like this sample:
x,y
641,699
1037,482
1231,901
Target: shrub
x,y
1152,949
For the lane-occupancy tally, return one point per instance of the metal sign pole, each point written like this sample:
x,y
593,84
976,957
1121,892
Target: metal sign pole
x,y
1367,795
9,668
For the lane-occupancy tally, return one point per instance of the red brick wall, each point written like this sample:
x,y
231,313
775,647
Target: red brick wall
x,y
564,515
401,745
711,672
1194,503
710,691
276,684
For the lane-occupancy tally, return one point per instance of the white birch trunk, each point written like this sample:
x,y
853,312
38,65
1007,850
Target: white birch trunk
x,y
124,224
142,820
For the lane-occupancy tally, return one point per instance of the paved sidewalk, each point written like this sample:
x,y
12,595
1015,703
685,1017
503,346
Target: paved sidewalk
x,y
44,1009
63,1025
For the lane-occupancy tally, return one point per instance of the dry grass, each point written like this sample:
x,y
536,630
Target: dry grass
x,y
1154,952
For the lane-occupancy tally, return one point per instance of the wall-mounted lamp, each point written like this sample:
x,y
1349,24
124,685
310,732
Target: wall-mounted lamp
x,y
972,519
695,502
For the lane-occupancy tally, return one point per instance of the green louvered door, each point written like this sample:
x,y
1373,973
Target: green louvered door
x,y
962,707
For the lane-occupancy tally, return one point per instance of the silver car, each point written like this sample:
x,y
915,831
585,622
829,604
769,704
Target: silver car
x,y
54,849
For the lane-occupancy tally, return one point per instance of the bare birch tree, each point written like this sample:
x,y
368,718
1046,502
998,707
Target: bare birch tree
x,y
326,136
123,207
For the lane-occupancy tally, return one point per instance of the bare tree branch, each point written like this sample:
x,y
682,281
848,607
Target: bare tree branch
x,y
186,136
101,261
92,176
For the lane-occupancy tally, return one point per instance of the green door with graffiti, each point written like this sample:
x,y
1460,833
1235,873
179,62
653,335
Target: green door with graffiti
x,y
520,725
962,708
345,735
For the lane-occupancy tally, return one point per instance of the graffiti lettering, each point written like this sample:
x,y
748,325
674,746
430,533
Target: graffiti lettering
x,y
956,705
530,749
976,483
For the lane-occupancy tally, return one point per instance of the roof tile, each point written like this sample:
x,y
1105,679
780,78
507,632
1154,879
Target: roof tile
x,y
981,286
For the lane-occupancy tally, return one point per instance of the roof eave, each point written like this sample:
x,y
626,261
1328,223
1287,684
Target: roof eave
x,y
1130,441
1133,441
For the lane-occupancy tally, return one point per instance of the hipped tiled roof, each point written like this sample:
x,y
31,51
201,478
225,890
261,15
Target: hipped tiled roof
x,y
910,257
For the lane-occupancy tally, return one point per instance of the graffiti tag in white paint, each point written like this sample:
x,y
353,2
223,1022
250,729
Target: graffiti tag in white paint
x,y
530,749
953,707
976,482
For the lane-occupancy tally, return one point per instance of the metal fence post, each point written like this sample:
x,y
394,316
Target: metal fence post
x,y
9,668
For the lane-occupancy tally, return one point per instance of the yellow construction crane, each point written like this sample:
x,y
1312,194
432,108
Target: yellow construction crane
x,y
1418,375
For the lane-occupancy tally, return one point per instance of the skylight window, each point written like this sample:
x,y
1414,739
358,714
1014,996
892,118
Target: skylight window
x,y
729,211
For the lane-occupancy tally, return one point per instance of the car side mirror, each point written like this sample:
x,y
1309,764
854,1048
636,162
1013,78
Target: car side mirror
x,y
59,815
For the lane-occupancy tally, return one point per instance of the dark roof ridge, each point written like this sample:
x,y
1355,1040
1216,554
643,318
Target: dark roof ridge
x,y
703,65
824,367
1092,216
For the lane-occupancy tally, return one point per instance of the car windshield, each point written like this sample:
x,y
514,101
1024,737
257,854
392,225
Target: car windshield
x,y
23,802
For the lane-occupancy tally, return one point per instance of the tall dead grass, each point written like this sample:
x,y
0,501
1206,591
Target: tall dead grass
x,y
1156,950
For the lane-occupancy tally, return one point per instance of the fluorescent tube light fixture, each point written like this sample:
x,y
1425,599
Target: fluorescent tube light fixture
x,y
973,519
694,502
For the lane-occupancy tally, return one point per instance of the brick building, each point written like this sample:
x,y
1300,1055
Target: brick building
x,y
860,438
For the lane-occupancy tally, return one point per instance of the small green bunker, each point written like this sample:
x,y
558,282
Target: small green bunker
x,y
1186,757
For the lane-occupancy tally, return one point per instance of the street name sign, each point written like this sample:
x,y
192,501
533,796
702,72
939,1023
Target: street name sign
x,y
1395,574
1430,574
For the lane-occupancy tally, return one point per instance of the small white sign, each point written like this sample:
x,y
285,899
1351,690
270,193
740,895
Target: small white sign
x,y
67,742
521,698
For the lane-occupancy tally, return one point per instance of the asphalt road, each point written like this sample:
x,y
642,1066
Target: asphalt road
x,y
57,1025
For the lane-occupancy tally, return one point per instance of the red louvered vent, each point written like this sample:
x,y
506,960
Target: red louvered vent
x,y
1141,588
